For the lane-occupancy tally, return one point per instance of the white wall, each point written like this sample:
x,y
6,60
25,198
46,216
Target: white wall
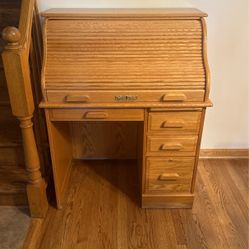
x,y
227,123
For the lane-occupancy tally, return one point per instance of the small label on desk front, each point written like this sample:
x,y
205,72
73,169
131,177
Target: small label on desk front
x,y
126,98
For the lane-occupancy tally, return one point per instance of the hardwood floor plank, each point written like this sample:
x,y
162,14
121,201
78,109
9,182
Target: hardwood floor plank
x,y
206,211
106,215
193,234
239,173
235,191
136,229
162,229
178,227
122,206
223,195
102,211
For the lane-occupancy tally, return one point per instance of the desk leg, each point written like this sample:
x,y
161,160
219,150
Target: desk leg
x,y
59,134
36,187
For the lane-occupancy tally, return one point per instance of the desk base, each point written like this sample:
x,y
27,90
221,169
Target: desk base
x,y
167,146
167,201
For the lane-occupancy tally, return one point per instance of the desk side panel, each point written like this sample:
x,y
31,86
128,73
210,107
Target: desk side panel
x,y
61,153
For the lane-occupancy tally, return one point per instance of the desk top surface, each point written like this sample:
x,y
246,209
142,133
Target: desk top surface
x,y
111,12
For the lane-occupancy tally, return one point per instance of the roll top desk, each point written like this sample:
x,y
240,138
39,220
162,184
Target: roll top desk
x,y
143,65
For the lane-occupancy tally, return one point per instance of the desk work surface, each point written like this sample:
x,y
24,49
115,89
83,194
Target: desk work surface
x,y
143,65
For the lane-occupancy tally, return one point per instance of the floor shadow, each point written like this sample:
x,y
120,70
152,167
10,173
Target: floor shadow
x,y
121,174
23,209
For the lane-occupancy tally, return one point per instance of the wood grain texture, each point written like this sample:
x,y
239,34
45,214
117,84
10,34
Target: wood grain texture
x,y
17,13
171,145
16,56
101,66
35,61
218,219
120,13
205,58
12,188
33,234
13,180
174,122
96,114
10,134
224,153
123,54
61,155
154,105
9,13
60,96
169,201
9,16
169,175
112,140
198,146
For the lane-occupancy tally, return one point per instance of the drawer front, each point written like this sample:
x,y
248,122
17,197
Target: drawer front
x,y
171,145
169,174
96,114
125,96
172,122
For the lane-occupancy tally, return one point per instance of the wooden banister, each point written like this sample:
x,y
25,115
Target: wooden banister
x,y
17,71
25,23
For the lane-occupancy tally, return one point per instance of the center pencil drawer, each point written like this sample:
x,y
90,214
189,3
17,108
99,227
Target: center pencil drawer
x,y
96,114
173,174
171,145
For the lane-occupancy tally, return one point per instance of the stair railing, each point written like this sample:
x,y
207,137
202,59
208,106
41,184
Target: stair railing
x,y
17,70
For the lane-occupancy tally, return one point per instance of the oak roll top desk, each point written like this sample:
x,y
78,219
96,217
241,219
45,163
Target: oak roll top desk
x,y
143,65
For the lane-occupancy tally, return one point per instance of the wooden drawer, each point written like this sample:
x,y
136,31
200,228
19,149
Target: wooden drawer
x,y
169,174
172,122
124,96
96,114
171,145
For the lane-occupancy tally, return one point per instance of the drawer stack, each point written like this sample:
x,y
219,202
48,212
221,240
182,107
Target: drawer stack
x,y
170,158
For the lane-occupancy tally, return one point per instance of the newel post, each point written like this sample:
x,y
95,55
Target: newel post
x,y
17,71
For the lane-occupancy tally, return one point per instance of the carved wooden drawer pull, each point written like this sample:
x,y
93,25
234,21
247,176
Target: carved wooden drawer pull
x,y
77,98
175,147
169,177
173,124
96,115
174,97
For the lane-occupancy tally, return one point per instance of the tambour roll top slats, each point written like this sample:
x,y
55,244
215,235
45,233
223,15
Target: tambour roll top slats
x,y
124,53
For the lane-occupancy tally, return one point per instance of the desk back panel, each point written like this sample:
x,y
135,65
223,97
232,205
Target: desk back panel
x,y
108,140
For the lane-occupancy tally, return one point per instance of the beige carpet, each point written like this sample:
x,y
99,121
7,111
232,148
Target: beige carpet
x,y
14,223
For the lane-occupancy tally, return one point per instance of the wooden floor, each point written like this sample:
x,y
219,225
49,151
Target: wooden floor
x,y
13,181
102,211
